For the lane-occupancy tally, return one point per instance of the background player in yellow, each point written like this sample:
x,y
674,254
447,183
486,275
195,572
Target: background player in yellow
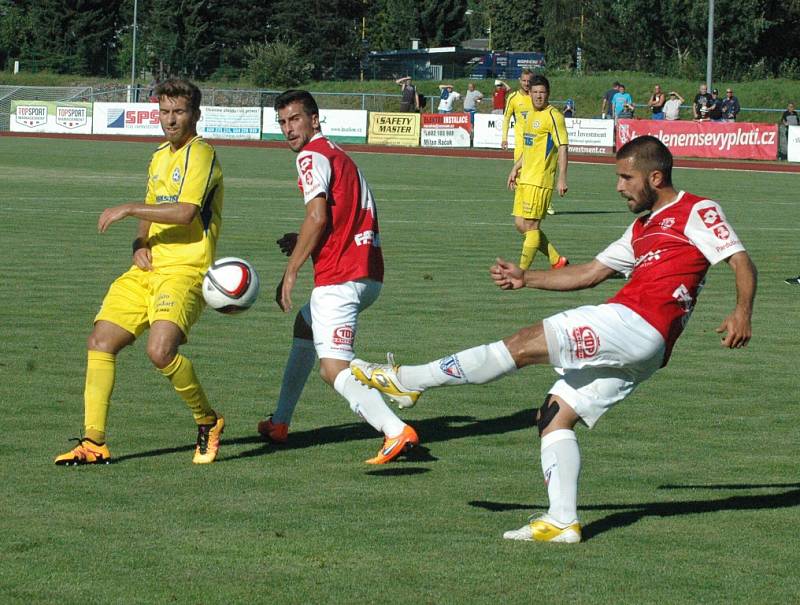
x,y
175,241
544,148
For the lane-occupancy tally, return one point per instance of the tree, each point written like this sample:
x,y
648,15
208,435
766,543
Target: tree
x,y
442,22
515,24
391,24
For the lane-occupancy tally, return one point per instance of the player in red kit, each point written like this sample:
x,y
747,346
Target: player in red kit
x,y
340,234
602,352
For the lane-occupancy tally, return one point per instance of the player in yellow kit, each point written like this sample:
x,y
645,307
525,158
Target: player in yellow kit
x,y
544,149
518,106
179,224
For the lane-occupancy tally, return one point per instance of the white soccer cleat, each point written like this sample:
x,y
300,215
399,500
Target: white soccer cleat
x,y
383,376
545,529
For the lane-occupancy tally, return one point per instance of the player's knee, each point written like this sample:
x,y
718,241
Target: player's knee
x,y
546,413
161,356
302,329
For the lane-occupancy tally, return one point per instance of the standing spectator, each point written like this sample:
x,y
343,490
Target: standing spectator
x,y
700,105
471,100
607,110
341,236
715,107
409,100
730,106
622,104
569,108
656,103
499,96
447,98
672,108
790,117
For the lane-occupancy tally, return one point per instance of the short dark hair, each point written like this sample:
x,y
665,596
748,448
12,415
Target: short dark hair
x,y
178,87
648,154
540,80
304,97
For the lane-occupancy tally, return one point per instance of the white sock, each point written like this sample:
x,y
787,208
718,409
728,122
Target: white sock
x,y
561,465
295,375
368,404
477,365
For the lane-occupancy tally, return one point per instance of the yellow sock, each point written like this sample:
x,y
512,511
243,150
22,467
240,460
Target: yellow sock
x,y
181,374
529,247
547,248
100,372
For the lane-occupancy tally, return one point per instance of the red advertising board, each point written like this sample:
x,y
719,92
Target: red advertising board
x,y
737,140
445,130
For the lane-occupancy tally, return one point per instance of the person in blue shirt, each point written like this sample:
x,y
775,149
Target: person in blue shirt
x,y
622,103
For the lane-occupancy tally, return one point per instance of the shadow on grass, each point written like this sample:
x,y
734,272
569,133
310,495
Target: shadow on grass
x,y
431,430
631,513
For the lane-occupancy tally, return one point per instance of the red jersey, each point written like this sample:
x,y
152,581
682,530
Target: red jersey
x,y
350,248
666,255
499,98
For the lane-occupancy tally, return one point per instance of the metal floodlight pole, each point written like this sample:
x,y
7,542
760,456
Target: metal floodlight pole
x,y
133,54
710,56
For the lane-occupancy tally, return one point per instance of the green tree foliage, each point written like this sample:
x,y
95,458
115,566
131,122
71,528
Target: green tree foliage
x,y
235,25
442,22
391,24
277,64
515,24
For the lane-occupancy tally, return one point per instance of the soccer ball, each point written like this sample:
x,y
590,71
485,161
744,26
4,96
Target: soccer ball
x,y
230,285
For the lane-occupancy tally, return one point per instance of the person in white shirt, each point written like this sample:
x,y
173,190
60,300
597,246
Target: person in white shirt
x,y
672,108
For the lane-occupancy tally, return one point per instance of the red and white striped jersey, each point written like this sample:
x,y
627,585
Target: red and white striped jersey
x,y
666,255
350,248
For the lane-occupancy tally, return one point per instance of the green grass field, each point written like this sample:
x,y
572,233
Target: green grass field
x,y
690,490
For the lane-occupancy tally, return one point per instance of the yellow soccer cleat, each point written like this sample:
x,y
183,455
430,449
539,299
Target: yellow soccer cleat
x,y
383,376
394,446
86,452
208,441
545,529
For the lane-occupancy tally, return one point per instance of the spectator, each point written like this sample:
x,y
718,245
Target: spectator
x,y
499,97
701,101
622,104
569,108
607,110
447,98
409,99
790,117
471,100
656,103
730,106
715,107
672,108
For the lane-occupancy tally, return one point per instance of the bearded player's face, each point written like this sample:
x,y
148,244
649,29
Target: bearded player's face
x,y
635,186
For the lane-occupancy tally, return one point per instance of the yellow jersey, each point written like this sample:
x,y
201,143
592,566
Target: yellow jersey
x,y
543,133
518,105
191,175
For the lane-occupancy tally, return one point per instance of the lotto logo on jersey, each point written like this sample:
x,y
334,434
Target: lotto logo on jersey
x,y
343,336
367,237
710,216
451,367
306,163
587,343
666,223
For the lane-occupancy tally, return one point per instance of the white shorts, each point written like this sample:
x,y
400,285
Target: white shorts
x,y
334,316
602,352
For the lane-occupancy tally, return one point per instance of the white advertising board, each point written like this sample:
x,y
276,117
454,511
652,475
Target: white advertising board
x,y
793,149
341,125
488,131
51,116
128,119
229,122
590,136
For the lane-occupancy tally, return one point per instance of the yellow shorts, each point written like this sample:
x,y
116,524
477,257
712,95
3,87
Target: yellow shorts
x,y
138,298
530,201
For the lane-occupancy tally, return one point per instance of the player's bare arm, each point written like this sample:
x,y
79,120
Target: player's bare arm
x,y
142,257
563,161
736,328
311,231
512,176
168,214
508,276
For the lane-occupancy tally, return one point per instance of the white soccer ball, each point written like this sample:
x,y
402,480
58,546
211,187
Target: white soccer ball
x,y
230,285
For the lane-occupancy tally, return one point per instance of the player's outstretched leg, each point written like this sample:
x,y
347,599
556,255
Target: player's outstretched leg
x,y
405,384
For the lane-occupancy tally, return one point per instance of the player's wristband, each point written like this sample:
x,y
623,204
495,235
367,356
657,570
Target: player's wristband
x,y
139,242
